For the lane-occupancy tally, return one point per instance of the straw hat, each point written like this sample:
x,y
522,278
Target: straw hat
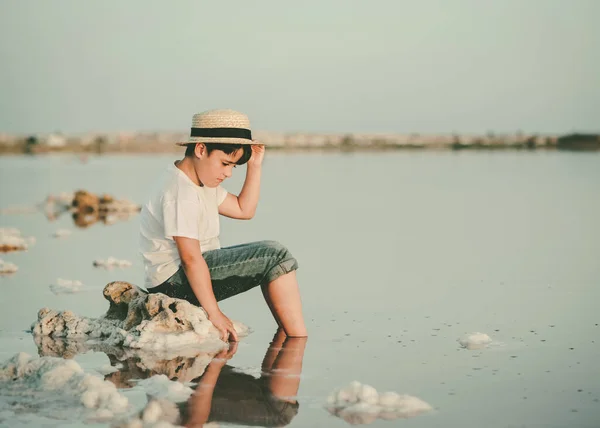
x,y
220,126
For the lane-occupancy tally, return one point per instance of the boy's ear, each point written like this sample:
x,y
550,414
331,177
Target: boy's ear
x,y
199,150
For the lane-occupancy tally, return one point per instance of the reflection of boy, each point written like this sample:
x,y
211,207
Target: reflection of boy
x,y
226,396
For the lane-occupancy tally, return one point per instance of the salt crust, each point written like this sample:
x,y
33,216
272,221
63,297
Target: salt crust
x,y
7,267
112,262
136,319
58,388
12,240
473,341
362,404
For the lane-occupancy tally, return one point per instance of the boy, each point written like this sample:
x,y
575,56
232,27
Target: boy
x,y
179,231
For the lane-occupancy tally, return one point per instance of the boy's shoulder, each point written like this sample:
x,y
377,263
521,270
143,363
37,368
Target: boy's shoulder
x,y
176,186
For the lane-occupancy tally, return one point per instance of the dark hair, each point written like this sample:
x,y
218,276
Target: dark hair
x,y
226,148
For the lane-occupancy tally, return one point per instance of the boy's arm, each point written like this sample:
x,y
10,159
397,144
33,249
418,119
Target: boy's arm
x,y
199,403
243,207
198,275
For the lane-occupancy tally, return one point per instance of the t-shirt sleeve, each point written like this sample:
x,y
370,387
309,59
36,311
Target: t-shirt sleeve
x,y
221,195
181,218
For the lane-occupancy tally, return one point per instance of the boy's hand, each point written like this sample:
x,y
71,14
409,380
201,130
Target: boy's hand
x,y
226,354
224,325
258,153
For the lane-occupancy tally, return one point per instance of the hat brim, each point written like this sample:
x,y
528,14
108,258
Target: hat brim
x,y
224,140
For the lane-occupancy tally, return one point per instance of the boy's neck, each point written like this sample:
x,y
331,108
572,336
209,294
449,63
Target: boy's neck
x,y
186,165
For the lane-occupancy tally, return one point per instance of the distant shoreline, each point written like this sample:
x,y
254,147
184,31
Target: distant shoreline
x,y
297,142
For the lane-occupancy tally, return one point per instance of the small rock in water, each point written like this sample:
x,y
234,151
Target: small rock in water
x,y
12,240
112,262
7,268
475,341
66,286
362,404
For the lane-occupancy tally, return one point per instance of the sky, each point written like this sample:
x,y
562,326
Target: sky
x,y
429,66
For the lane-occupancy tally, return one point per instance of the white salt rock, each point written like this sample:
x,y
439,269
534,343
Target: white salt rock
x,y
7,267
368,395
61,233
389,399
362,404
475,341
351,393
346,396
64,286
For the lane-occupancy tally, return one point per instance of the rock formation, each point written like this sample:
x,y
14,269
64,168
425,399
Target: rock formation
x,y
136,319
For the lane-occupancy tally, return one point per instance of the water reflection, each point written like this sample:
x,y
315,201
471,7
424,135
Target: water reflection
x,y
226,396
83,220
87,208
223,393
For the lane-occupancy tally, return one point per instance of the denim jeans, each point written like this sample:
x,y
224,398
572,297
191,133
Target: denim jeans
x,y
234,270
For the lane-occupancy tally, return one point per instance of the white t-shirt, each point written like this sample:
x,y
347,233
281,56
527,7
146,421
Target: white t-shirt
x,y
177,207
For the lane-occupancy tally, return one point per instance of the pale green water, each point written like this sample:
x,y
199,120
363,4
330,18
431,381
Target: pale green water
x,y
400,254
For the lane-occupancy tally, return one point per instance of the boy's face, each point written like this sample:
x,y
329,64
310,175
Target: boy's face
x,y
215,168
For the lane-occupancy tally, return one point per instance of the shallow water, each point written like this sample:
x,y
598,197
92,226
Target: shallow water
x,y
400,255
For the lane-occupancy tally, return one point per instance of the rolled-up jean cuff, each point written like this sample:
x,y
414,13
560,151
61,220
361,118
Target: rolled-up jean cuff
x,y
280,269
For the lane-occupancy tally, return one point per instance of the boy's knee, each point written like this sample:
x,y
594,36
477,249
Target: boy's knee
x,y
284,261
279,250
